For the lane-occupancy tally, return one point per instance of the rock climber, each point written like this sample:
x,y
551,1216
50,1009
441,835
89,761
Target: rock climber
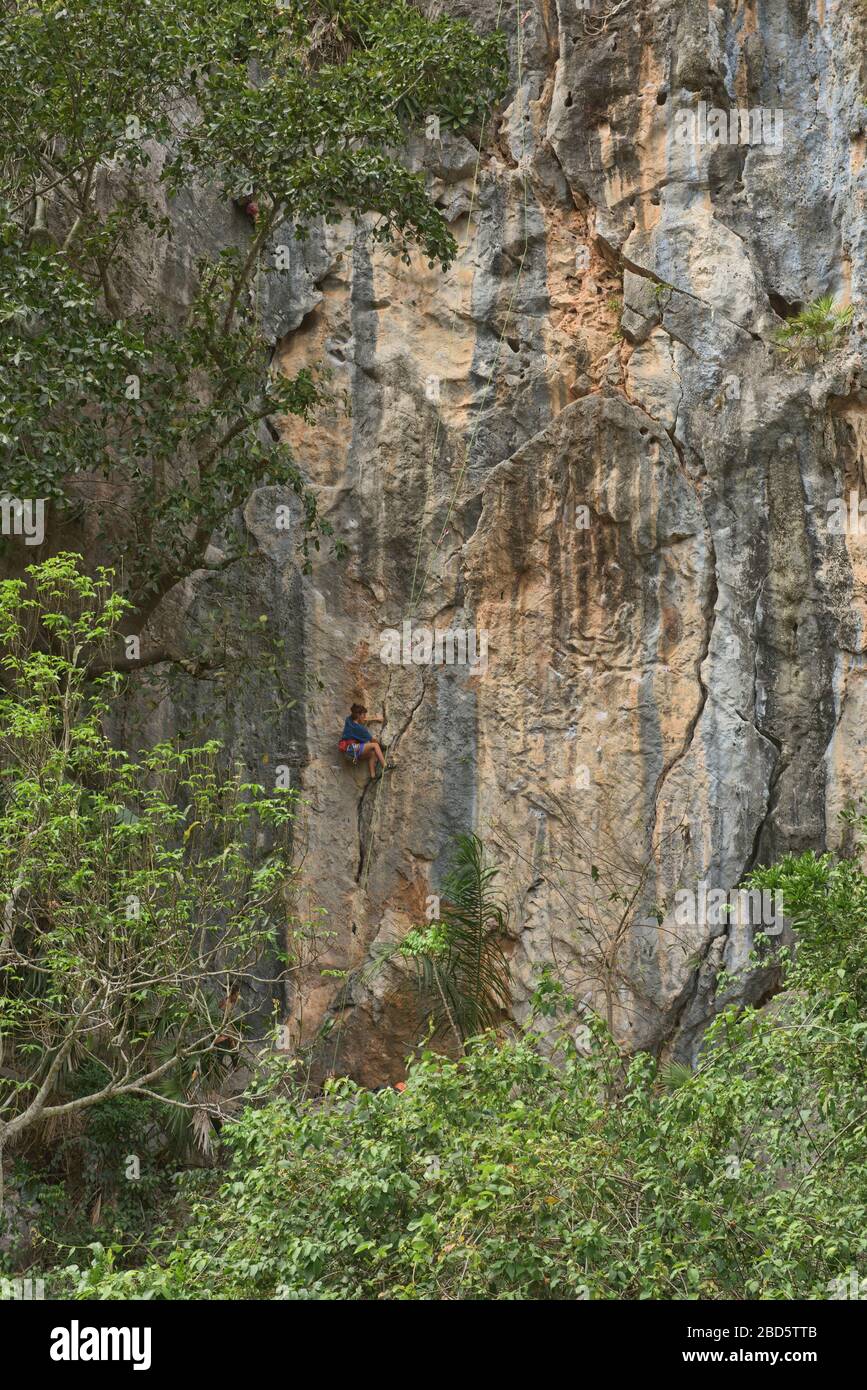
x,y
357,742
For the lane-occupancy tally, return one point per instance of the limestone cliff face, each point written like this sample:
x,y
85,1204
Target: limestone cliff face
x,y
581,443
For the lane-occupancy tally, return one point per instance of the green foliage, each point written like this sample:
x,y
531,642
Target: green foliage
x,y
141,898
472,965
463,972
816,331
106,1176
826,902
564,1173
308,104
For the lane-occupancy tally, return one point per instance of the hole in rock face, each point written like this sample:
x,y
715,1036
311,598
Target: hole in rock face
x,y
662,96
725,169
784,308
568,101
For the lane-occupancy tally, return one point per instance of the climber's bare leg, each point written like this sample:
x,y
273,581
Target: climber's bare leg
x,y
368,755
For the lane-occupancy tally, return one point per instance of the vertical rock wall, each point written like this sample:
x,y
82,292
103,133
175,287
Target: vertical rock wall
x,y
582,443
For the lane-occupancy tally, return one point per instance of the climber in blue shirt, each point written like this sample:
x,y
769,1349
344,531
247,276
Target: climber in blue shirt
x,y
357,742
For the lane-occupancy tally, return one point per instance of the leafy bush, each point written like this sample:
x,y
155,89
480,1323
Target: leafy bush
x,y
105,1175
515,1174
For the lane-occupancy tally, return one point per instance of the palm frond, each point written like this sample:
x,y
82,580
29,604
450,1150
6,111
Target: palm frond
x,y
475,970
462,970
815,331
673,1075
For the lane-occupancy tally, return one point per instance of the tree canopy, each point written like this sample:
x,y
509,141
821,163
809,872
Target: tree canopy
x,y
303,106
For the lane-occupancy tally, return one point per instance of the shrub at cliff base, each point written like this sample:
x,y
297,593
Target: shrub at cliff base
x,y
509,1174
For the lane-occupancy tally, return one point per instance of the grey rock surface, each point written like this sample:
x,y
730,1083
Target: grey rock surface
x,y
582,442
